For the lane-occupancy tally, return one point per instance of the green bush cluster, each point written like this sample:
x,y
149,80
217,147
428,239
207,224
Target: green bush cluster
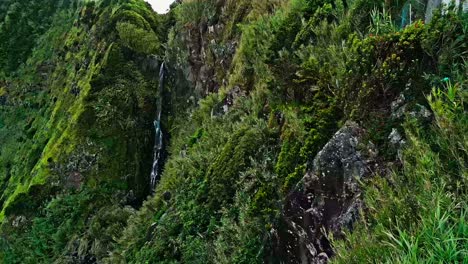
x,y
21,25
138,39
419,214
68,229
204,199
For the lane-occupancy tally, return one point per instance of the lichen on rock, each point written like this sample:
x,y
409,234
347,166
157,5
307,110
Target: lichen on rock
x,y
327,201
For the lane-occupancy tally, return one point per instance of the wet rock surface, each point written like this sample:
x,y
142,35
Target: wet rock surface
x,y
327,200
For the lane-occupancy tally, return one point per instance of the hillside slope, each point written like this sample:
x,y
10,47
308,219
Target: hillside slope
x,y
270,131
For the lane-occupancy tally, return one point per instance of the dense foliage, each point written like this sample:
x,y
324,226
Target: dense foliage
x,y
76,131
253,91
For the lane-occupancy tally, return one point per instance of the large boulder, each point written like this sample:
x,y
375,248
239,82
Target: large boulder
x,y
327,200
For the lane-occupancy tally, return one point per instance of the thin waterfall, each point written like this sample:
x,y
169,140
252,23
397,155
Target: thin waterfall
x,y
158,141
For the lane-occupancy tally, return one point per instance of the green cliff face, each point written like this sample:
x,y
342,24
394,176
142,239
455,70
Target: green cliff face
x,y
76,117
257,102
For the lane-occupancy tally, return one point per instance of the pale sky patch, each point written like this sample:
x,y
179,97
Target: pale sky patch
x,y
160,6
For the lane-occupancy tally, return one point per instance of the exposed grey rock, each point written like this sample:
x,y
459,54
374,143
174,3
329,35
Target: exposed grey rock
x,y
211,29
323,257
421,112
327,200
18,221
395,137
398,107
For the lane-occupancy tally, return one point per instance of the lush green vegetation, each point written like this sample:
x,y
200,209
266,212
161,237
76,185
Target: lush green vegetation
x,y
419,214
253,91
75,131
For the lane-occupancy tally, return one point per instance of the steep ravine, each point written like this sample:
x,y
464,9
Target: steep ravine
x,y
232,131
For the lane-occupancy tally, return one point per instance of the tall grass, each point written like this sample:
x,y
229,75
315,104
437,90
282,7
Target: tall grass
x,y
419,214
381,22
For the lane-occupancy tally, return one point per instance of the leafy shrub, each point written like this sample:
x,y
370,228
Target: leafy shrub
x,y
194,12
138,39
81,224
22,24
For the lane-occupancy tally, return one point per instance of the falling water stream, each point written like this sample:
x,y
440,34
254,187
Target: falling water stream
x,y
158,141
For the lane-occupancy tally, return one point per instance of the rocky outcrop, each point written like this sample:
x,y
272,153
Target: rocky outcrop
x,y
327,200
204,48
209,56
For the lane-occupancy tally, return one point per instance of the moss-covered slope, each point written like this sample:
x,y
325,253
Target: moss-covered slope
x,y
254,92
76,122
